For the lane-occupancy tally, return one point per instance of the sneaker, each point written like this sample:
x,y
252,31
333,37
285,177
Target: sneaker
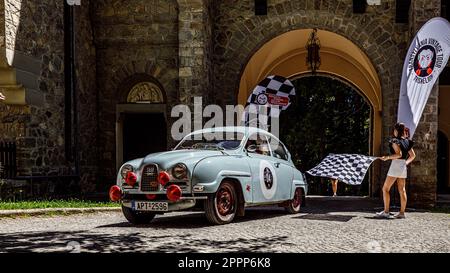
x,y
383,215
400,216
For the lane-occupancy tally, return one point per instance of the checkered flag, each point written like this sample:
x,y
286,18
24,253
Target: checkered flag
x,y
348,168
269,97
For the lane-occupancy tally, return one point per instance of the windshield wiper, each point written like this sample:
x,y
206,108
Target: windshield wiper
x,y
221,149
209,146
206,146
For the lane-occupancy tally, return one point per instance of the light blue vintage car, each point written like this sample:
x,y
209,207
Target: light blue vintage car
x,y
218,170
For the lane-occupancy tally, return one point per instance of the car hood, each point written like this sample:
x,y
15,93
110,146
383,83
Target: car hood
x,y
166,160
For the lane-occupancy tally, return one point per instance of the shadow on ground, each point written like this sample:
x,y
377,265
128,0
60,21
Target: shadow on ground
x,y
125,237
326,217
325,204
198,220
84,241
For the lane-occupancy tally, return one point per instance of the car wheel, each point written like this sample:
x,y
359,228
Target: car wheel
x,y
221,207
137,218
295,204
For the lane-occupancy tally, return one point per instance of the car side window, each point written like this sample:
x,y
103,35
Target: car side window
x,y
257,143
278,149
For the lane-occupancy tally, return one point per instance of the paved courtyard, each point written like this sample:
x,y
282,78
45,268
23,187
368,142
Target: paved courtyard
x,y
325,225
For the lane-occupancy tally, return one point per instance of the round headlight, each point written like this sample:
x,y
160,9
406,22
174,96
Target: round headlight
x,y
179,171
125,169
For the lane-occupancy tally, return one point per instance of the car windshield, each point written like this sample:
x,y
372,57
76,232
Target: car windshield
x,y
212,141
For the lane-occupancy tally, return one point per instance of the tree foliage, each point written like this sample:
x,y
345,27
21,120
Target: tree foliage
x,y
326,116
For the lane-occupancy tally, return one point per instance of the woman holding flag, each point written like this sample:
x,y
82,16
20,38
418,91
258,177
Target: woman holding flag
x,y
402,154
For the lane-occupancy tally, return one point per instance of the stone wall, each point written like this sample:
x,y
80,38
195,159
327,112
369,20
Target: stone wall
x,y
133,38
195,49
86,89
423,181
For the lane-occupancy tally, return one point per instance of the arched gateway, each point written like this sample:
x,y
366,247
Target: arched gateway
x,y
285,55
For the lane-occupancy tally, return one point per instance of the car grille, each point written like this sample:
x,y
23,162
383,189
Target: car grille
x,y
149,181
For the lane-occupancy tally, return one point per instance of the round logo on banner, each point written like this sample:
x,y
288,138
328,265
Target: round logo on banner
x,y
267,179
262,99
424,61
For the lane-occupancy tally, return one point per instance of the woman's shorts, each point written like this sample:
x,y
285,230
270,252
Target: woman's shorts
x,y
398,168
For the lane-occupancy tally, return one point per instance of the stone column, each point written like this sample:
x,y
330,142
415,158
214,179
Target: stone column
x,y
194,34
423,175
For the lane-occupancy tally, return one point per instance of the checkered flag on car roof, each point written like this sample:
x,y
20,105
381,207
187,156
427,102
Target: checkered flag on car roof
x,y
348,168
269,97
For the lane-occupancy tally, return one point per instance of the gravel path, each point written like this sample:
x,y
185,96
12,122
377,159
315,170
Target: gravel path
x,y
325,225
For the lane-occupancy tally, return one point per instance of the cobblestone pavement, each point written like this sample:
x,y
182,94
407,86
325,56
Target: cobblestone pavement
x,y
325,225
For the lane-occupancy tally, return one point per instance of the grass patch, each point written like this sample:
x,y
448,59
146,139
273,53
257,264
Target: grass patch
x,y
43,204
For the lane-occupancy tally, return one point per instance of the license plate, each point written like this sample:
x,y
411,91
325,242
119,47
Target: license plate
x,y
149,206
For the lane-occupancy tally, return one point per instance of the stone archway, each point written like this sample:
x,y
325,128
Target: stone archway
x,y
236,43
114,83
237,39
285,55
141,119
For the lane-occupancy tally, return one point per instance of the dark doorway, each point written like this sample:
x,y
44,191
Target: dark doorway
x,y
442,164
330,116
143,134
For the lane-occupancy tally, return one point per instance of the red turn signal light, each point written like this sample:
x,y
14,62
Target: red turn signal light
x,y
173,193
115,193
163,178
131,178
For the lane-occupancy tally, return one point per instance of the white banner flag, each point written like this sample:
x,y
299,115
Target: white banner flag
x,y
427,56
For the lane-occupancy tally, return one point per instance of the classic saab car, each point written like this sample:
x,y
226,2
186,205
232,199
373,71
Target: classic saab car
x,y
248,167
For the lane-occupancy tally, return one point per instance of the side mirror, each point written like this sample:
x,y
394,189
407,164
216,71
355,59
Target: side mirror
x,y
251,148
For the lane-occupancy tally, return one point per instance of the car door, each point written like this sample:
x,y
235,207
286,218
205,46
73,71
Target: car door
x,y
264,176
283,168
